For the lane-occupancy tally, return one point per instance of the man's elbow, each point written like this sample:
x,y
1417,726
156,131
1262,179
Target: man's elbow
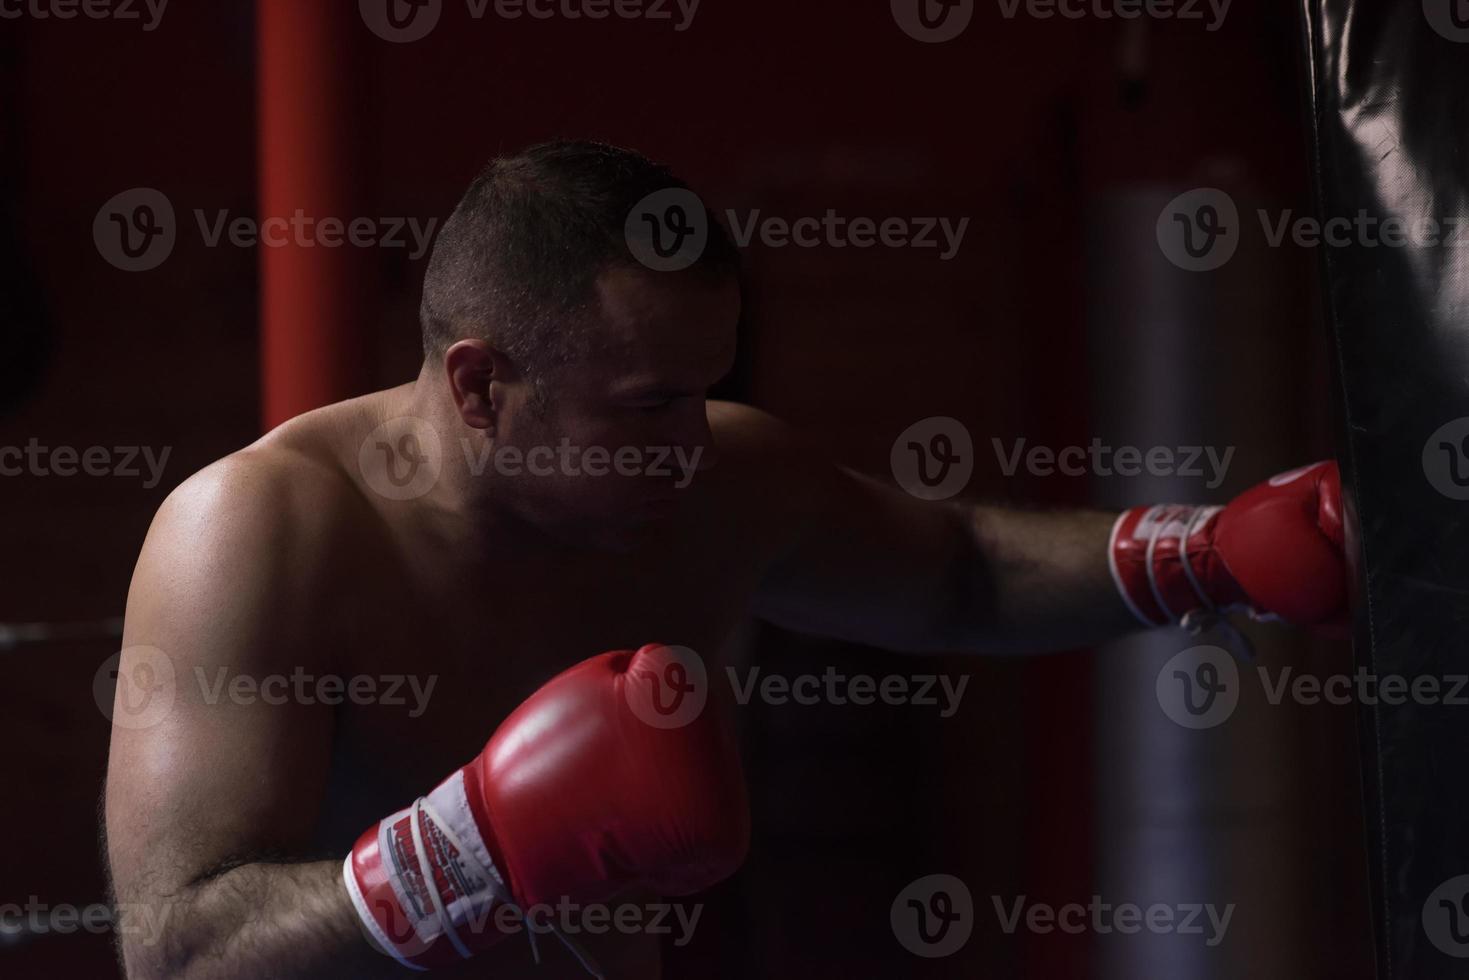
x,y
155,943
965,607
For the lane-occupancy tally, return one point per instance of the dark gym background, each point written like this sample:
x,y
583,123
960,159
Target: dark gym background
x,y
1044,133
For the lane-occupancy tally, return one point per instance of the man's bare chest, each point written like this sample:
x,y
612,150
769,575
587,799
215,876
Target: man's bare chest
x,y
441,664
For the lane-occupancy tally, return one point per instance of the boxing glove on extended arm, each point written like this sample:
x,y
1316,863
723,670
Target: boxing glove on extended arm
x,y
1276,551
580,793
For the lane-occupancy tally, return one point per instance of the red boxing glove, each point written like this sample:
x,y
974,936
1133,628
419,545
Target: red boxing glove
x,y
1276,552
581,793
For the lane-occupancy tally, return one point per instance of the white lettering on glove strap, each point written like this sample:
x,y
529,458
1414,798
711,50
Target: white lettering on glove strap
x,y
438,867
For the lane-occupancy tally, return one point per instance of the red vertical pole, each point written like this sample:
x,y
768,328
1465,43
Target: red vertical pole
x,y
311,306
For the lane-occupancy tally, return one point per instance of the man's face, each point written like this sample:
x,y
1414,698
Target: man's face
x,y
625,429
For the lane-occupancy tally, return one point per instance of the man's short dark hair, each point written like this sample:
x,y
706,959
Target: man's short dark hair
x,y
517,261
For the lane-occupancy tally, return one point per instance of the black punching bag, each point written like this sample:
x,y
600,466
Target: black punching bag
x,y
1389,100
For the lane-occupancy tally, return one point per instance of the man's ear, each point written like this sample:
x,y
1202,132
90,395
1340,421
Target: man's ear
x,y
473,368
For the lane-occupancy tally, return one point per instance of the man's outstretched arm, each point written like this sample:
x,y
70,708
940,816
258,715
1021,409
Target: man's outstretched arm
x,y
863,561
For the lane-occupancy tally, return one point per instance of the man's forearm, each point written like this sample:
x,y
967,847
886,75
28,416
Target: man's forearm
x,y
1074,578
1038,580
257,920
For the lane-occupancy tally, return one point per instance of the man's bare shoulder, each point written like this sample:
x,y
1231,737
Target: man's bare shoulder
x,y
248,561
750,434
759,453
283,513
294,486
756,446
270,492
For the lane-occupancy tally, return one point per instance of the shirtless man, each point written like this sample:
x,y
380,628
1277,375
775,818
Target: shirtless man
x,y
426,530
